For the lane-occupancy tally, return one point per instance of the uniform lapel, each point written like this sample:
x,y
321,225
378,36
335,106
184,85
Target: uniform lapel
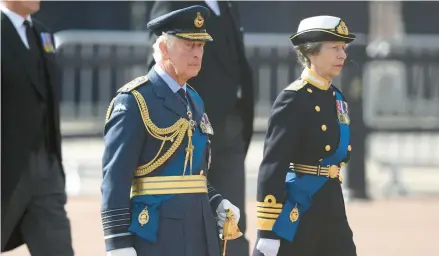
x,y
48,57
163,91
219,33
230,8
19,50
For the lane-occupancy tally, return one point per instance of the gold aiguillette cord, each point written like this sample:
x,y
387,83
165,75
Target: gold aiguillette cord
x,y
190,146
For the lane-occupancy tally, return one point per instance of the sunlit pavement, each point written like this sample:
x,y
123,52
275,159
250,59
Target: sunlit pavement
x,y
393,227
398,227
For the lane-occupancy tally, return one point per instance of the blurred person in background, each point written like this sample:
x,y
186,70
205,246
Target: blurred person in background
x,y
300,208
33,180
225,83
156,200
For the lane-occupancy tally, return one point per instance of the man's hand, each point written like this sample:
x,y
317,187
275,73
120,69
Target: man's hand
x,y
221,212
122,252
269,247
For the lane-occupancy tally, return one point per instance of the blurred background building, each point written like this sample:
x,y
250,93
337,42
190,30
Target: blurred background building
x,y
390,81
390,76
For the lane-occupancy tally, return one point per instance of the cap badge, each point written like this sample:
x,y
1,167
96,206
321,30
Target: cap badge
x,y
199,20
342,29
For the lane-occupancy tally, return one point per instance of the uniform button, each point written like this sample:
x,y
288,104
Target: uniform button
x,y
349,148
327,148
317,108
333,93
342,164
309,90
324,127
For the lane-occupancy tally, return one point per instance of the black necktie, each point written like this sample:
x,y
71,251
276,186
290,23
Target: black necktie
x,y
31,37
182,93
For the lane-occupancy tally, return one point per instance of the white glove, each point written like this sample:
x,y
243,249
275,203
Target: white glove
x,y
122,252
221,212
269,247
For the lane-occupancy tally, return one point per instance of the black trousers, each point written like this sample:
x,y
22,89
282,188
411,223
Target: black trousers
x,y
323,230
36,212
227,173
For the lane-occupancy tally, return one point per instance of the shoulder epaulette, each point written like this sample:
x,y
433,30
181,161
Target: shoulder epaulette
x,y
296,85
133,84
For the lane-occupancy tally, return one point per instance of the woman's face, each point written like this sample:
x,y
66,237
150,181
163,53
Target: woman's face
x,y
329,61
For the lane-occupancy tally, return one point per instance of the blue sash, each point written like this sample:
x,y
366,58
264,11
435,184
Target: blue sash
x,y
174,167
301,189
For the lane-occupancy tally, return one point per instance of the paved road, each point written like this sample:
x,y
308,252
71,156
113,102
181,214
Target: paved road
x,y
397,227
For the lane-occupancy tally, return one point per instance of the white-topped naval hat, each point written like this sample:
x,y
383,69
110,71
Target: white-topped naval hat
x,y
321,28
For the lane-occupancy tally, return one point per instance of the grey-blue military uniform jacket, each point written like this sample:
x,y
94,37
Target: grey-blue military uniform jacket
x,y
154,164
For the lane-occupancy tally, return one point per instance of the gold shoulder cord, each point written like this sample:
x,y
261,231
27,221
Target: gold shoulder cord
x,y
176,131
110,109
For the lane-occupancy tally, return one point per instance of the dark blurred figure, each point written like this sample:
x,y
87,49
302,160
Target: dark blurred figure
x,y
33,182
225,83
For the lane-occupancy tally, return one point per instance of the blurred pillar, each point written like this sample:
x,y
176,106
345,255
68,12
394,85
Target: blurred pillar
x,y
140,14
386,20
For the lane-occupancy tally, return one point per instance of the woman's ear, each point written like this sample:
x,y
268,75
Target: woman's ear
x,y
312,58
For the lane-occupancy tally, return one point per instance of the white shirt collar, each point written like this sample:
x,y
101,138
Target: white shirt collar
x,y
16,19
168,79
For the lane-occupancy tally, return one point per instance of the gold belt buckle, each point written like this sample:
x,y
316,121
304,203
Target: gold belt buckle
x,y
333,171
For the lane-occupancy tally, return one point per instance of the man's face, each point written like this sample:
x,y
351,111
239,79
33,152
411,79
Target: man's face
x,y
329,61
23,8
186,57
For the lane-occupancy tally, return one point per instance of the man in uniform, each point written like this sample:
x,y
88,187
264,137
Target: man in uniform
x,y
33,181
225,83
300,208
157,147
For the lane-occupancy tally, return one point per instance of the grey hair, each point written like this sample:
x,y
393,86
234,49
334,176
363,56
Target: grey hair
x,y
157,52
304,51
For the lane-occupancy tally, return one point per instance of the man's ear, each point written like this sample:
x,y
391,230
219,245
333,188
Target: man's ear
x,y
164,49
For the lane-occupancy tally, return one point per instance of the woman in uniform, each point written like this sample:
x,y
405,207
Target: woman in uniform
x,y
300,209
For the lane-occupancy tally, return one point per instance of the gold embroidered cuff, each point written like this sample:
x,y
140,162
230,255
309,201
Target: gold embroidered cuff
x,y
265,224
267,212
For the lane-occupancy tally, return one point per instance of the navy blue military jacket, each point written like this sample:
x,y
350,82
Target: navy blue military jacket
x,y
146,135
304,128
